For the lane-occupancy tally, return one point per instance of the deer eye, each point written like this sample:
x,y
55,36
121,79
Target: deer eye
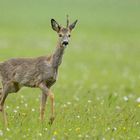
x,y
60,35
69,35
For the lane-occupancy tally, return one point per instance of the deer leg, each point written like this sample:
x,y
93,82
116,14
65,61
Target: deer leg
x,y
0,93
3,97
2,100
42,106
45,93
52,107
4,117
7,88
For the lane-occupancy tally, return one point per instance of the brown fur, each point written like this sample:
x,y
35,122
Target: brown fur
x,y
38,72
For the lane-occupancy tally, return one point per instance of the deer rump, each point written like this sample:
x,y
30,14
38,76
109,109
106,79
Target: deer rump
x,y
27,72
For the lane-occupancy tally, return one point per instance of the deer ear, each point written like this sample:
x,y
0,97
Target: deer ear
x,y
73,25
55,25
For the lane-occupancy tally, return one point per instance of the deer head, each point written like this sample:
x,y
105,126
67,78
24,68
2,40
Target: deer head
x,y
64,33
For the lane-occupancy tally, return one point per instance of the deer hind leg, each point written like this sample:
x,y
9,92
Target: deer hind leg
x,y
7,88
4,94
2,109
52,107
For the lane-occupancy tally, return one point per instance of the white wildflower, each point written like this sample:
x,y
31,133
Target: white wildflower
x,y
17,107
69,103
79,135
78,116
1,133
102,102
7,107
22,96
15,111
53,138
108,128
125,98
7,129
89,101
138,100
33,109
114,129
64,105
40,134
87,136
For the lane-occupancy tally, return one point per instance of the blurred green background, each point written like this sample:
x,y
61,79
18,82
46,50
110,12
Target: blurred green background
x,y
100,74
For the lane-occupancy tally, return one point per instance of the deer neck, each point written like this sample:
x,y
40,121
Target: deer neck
x,y
57,56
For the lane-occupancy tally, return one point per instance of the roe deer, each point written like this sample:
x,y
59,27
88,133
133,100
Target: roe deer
x,y
38,72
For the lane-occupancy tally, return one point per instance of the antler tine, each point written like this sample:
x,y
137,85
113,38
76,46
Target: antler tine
x,y
67,21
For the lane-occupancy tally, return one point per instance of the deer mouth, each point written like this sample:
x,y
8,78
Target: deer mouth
x,y
65,46
65,43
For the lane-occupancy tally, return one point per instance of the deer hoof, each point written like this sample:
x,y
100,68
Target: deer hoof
x,y
51,120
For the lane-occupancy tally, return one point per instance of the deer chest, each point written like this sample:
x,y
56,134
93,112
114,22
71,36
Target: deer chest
x,y
50,76
51,79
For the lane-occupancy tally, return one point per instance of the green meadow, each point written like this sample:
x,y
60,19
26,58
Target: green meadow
x,y
97,94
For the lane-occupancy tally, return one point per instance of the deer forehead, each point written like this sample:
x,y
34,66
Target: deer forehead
x,y
64,31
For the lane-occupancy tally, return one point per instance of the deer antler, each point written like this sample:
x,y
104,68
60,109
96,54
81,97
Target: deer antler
x,y
67,21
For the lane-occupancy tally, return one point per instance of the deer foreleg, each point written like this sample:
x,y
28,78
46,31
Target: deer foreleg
x,y
42,106
52,107
45,93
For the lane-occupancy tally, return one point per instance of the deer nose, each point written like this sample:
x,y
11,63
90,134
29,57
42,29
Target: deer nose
x,y
65,43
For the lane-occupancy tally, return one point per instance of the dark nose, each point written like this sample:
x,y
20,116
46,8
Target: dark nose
x,y
65,43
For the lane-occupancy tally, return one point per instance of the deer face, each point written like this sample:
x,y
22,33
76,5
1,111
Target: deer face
x,y
63,33
64,36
